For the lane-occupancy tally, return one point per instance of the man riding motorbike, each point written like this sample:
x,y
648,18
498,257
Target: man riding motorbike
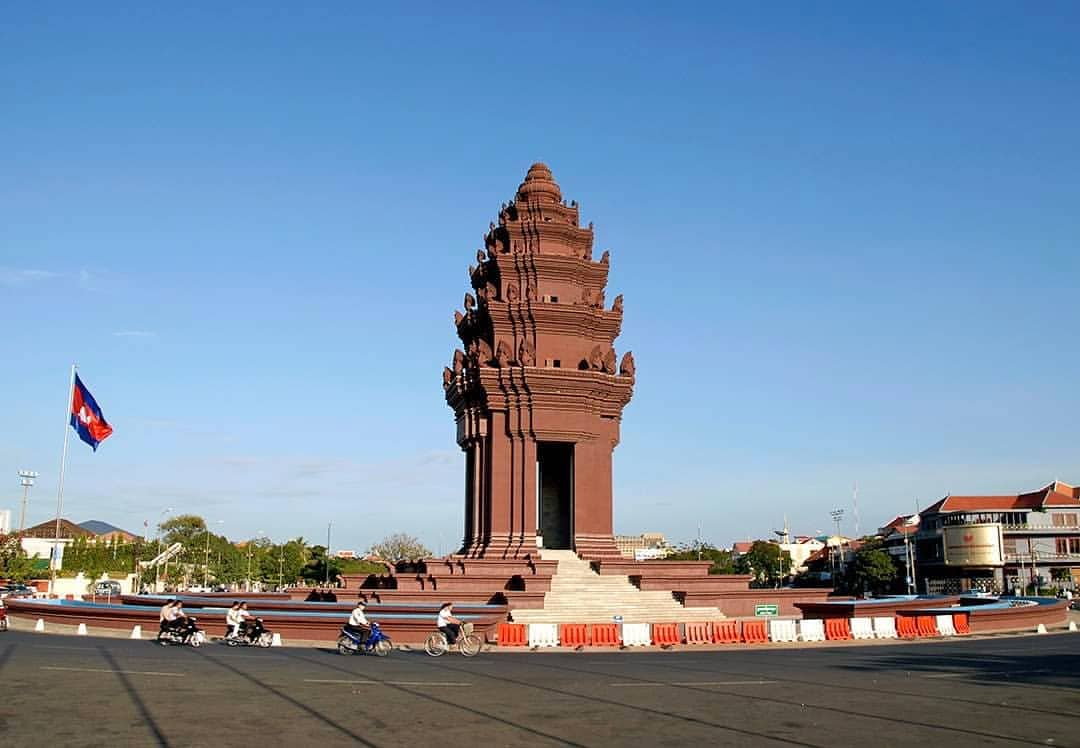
x,y
358,623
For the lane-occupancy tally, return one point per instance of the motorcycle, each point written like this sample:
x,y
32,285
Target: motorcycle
x,y
377,642
3,617
183,633
253,634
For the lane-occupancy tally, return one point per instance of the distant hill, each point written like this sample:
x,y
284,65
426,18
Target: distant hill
x,y
98,527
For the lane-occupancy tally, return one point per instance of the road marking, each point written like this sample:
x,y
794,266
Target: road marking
x,y
946,675
694,683
110,671
386,683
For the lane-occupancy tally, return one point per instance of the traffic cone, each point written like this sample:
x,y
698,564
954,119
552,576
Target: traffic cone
x,y
1040,629
136,632
40,625
276,641
82,629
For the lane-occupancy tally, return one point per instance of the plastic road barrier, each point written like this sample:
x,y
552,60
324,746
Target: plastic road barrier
x,y
666,634
726,632
960,623
945,625
926,626
511,635
699,633
837,629
782,630
605,635
573,634
543,635
812,630
636,635
754,632
885,627
862,628
905,627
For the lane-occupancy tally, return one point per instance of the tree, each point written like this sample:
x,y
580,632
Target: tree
x,y
184,529
399,547
872,570
14,563
723,563
315,570
764,561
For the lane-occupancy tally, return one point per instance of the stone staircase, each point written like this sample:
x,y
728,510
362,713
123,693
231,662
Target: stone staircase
x,y
580,595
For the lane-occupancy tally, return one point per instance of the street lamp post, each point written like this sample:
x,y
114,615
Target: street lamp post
x,y
27,477
251,543
837,515
157,567
206,565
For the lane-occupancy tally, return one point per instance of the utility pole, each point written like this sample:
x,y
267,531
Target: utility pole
x,y
328,526
27,477
837,515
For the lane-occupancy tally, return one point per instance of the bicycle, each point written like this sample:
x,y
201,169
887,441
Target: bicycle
x,y
468,643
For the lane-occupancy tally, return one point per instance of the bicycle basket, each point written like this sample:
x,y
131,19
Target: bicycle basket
x,y
466,628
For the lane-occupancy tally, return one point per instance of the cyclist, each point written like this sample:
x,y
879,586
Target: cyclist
x,y
448,623
358,623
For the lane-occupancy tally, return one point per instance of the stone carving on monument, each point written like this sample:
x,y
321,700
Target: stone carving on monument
x,y
538,447
626,366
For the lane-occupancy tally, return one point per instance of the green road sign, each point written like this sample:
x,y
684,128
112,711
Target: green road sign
x,y
767,609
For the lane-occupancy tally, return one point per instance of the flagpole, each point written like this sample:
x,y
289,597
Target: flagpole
x,y
60,488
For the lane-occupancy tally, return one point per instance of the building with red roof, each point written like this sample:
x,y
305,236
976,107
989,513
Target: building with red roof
x,y
997,543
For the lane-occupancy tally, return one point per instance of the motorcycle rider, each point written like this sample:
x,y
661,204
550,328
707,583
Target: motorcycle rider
x,y
243,616
166,618
232,620
448,623
358,623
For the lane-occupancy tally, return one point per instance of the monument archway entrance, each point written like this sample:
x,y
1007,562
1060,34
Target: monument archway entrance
x,y
555,489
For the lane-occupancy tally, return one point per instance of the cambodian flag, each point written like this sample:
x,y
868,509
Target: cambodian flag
x,y
86,417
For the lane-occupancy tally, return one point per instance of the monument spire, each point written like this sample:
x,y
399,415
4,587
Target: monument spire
x,y
535,389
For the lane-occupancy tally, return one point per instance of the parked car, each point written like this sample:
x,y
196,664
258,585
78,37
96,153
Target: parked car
x,y
107,588
16,590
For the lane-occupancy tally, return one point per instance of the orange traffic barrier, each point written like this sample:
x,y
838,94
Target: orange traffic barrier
x,y
905,627
755,632
960,623
726,632
573,634
699,633
605,635
926,625
665,634
511,635
837,629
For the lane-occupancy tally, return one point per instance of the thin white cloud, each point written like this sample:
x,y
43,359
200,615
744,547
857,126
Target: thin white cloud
x,y
21,277
135,334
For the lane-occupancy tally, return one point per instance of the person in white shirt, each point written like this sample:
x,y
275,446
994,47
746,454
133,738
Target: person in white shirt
x,y
166,617
448,623
358,623
232,620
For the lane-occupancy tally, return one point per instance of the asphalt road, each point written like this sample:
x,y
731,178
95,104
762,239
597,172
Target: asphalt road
x,y
68,691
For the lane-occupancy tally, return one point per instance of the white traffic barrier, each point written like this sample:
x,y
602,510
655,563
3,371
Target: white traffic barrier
x,y
885,627
1040,629
812,630
945,625
862,628
276,640
782,630
543,635
136,631
40,625
636,635
81,630
1072,625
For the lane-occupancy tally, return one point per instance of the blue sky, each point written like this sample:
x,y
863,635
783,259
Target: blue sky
x,y
846,235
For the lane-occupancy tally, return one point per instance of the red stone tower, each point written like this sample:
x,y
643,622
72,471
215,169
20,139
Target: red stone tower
x,y
536,393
